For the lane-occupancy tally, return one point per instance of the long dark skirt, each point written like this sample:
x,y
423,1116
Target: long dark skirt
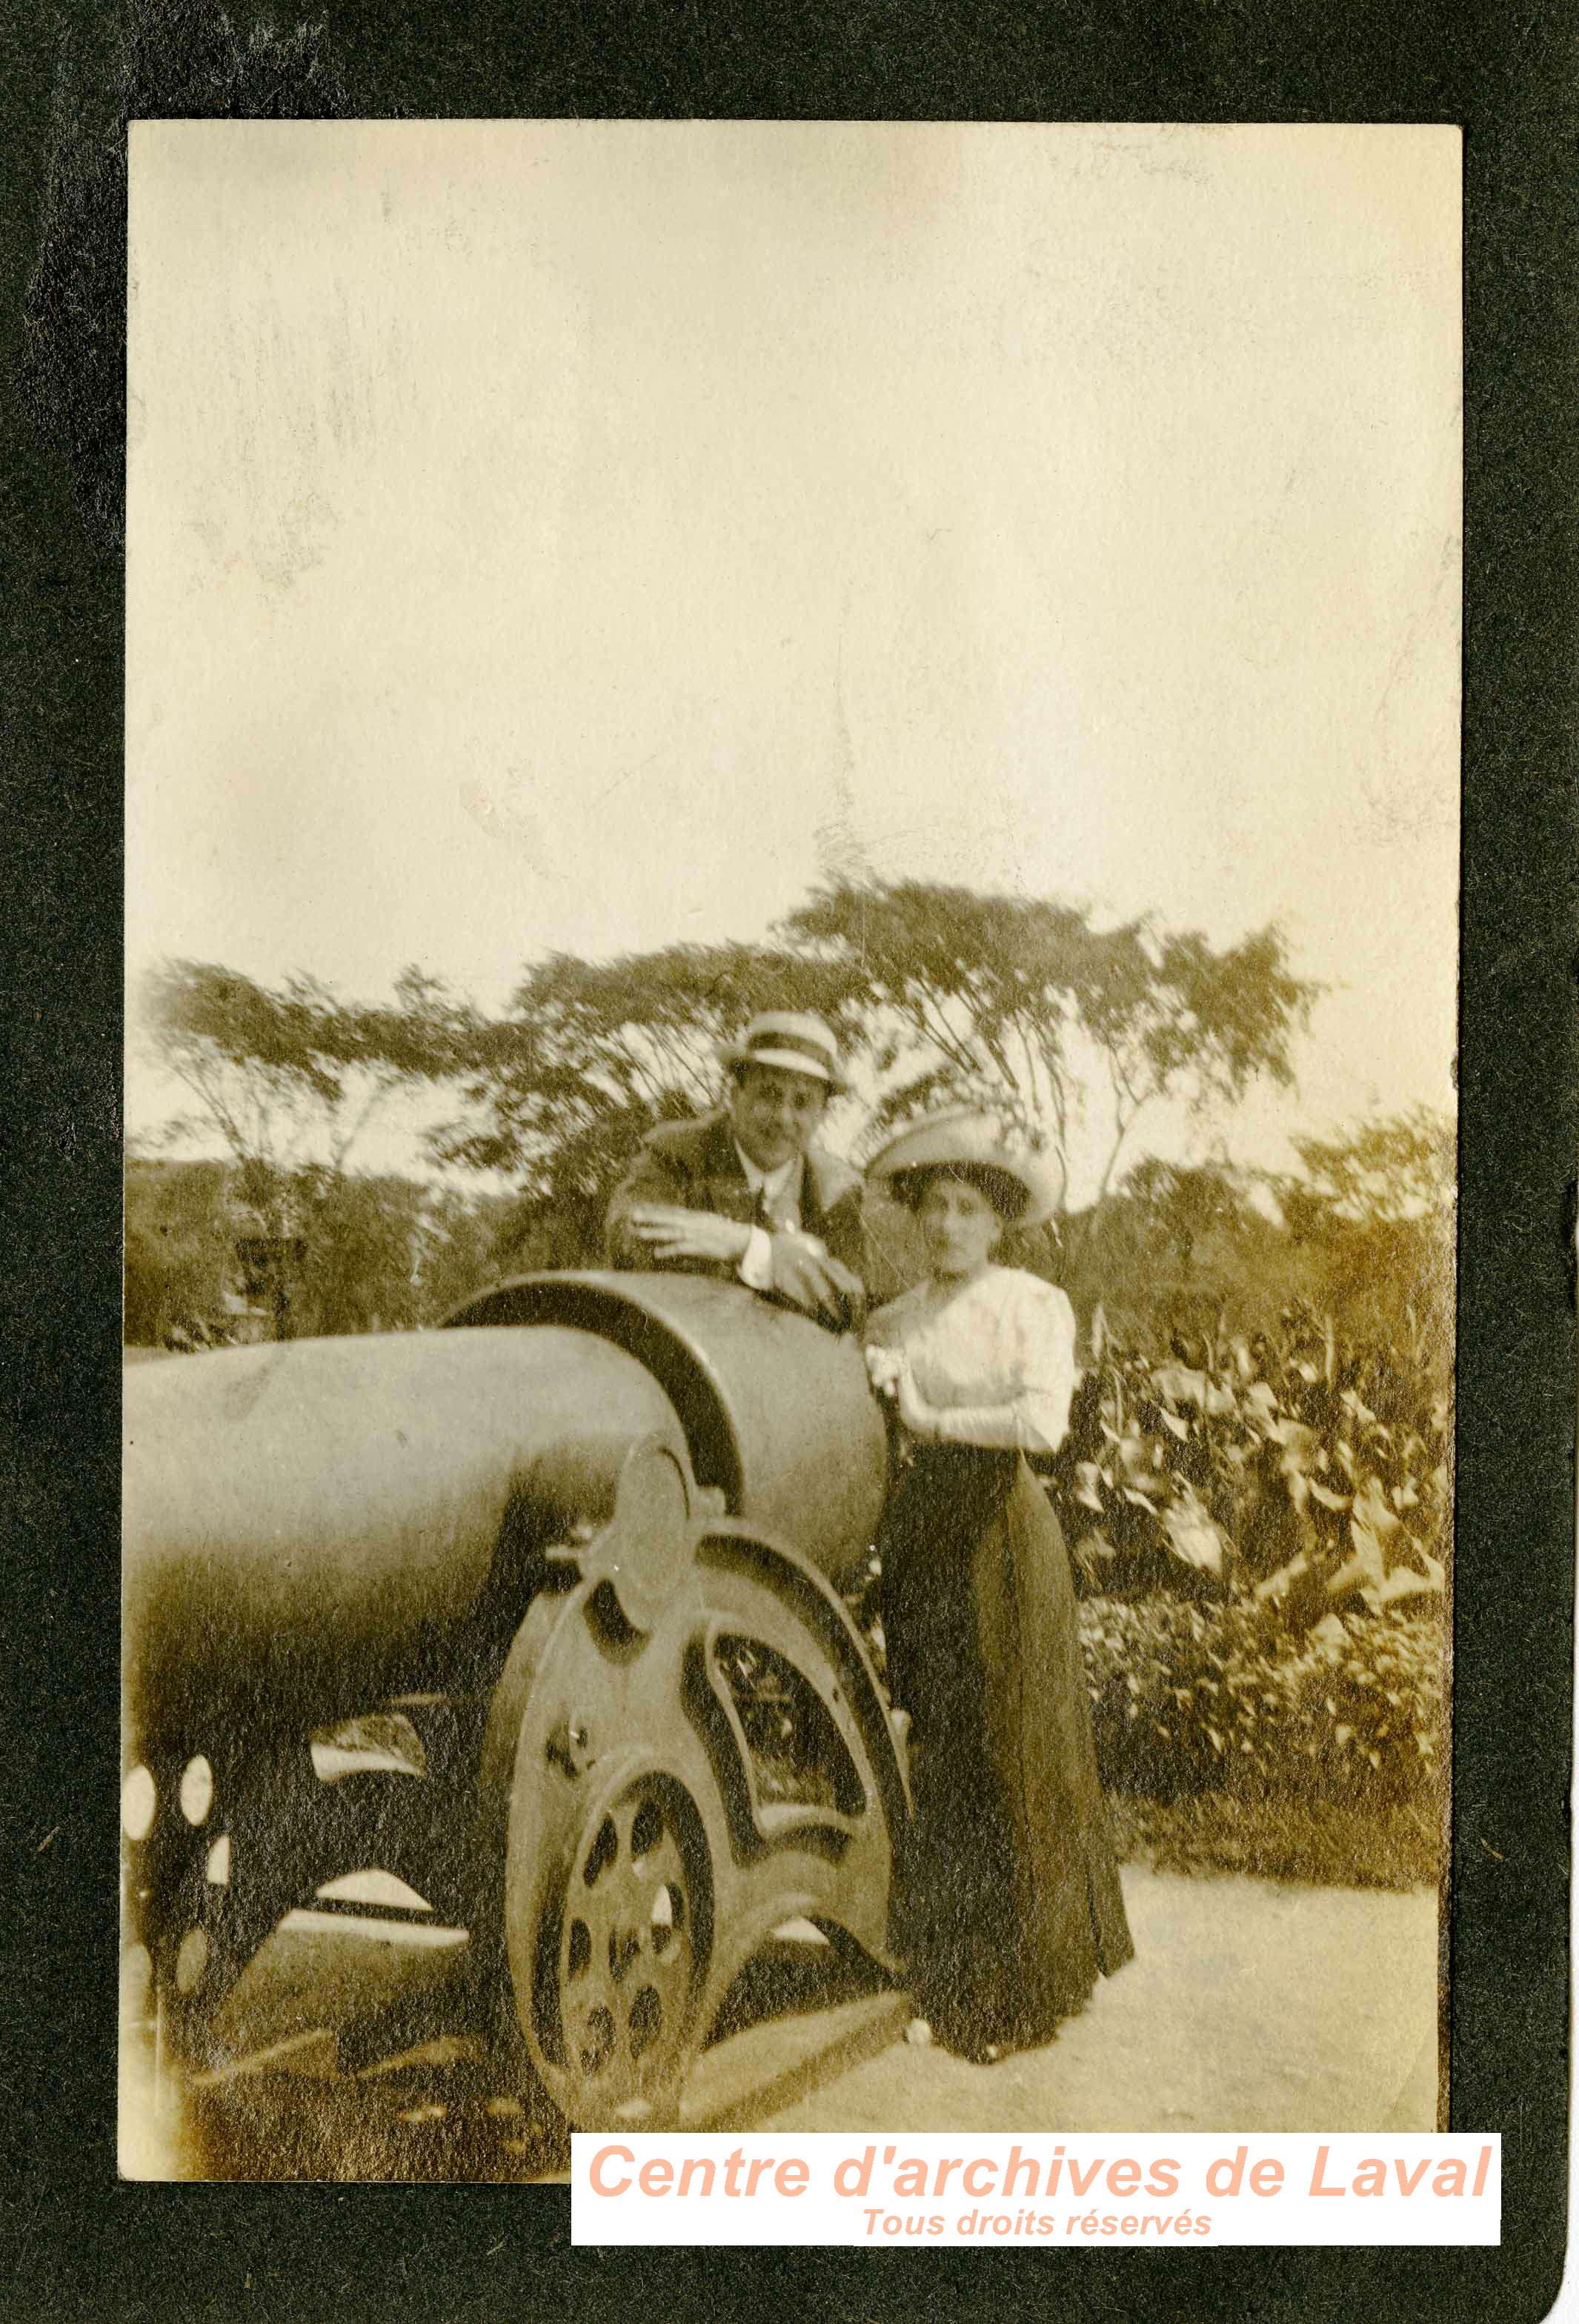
x,y
1012,1900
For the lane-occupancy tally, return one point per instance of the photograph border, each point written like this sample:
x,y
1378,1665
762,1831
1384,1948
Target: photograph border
x,y
81,2240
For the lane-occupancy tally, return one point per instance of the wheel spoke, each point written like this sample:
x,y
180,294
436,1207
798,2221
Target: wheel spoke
x,y
629,1973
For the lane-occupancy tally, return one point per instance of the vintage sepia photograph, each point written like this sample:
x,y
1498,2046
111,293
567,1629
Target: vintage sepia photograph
x,y
792,820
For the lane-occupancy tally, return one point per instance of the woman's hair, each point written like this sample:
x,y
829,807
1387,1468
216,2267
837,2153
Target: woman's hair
x,y
1002,1188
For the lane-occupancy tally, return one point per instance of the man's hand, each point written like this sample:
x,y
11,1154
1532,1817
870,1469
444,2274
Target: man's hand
x,y
803,1272
669,1233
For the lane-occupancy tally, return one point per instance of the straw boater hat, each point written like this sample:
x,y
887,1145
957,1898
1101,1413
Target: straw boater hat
x,y
800,1044
965,1141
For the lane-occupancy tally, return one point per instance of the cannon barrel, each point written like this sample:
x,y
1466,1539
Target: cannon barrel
x,y
580,1549
306,1520
776,1412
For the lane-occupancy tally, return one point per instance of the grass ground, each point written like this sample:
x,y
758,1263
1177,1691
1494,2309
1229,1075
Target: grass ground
x,y
1280,1839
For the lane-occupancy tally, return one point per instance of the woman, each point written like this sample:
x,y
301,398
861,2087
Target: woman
x,y
1013,1898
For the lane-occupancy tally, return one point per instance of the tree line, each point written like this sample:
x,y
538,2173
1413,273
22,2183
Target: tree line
x,y
1023,1005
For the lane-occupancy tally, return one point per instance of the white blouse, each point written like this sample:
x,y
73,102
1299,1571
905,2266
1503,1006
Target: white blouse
x,y
996,1357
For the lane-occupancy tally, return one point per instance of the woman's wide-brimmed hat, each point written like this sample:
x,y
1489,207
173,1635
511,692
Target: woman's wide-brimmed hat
x,y
965,1139
800,1044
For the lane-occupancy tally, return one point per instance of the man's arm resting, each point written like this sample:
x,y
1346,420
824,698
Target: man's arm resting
x,y
650,1181
650,1222
667,1234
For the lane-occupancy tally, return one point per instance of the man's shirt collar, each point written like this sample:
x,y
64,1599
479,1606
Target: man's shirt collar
x,y
768,1182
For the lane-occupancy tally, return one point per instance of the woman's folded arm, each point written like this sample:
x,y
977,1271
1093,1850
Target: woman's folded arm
x,y
1032,1422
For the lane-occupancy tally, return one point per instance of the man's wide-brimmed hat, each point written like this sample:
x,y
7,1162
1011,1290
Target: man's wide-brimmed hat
x,y
800,1044
965,1139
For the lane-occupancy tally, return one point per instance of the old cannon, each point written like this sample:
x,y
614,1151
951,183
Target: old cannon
x,y
573,1561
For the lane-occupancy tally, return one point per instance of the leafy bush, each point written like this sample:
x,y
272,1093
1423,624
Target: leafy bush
x,y
1189,1699
1291,1467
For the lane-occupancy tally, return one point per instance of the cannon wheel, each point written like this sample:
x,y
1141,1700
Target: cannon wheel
x,y
205,1889
660,1799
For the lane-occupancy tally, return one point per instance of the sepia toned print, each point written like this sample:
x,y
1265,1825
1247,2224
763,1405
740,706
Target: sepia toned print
x,y
791,840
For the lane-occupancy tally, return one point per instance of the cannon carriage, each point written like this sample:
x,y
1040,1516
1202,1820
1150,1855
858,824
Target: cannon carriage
x,y
572,1565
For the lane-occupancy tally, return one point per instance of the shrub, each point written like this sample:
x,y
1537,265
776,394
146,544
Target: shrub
x,y
1189,1699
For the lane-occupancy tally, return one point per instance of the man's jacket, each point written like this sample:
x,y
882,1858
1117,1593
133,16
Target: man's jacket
x,y
695,1167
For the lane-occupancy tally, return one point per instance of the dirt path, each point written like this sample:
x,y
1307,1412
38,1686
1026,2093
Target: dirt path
x,y
1249,2007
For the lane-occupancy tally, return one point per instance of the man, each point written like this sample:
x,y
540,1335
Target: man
x,y
746,1192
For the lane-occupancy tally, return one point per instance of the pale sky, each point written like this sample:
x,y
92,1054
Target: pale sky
x,y
583,536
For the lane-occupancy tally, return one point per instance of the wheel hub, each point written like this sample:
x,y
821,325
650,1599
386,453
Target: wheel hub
x,y
634,1937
